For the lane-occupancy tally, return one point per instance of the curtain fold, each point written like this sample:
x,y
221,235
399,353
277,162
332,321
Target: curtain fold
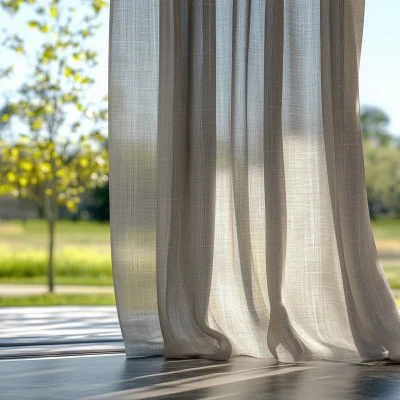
x,y
239,219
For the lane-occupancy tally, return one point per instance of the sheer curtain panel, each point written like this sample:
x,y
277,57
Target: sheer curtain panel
x,y
239,218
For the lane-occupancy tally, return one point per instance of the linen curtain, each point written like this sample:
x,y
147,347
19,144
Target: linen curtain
x,y
239,219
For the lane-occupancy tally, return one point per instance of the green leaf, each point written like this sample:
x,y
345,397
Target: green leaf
x,y
70,205
23,181
67,71
98,5
36,124
45,167
11,176
33,24
53,11
77,77
26,165
6,188
83,162
97,136
48,54
61,172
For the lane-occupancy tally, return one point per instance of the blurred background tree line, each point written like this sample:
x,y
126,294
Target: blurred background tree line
x,y
382,163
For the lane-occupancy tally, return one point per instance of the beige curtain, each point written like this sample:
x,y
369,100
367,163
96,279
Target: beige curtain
x,y
238,204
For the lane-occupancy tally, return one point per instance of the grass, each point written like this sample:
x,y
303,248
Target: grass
x,y
392,272
387,236
58,300
60,280
386,228
82,256
82,252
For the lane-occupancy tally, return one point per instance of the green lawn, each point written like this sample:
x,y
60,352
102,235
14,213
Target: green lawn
x,y
82,252
386,229
82,255
58,300
387,237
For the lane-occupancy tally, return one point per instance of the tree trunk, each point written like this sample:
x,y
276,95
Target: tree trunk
x,y
50,274
22,211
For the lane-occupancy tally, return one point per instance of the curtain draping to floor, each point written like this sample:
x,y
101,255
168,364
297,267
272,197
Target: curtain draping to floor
x,y
238,203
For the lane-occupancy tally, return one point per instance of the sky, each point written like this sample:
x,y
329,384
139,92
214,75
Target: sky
x,y
380,59
379,69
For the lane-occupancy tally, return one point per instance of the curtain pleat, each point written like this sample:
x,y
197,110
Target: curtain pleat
x,y
239,219
186,183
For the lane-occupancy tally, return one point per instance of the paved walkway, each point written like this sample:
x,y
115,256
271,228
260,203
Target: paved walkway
x,y
11,290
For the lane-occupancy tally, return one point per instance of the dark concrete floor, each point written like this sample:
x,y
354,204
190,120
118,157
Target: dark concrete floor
x,y
62,331
115,377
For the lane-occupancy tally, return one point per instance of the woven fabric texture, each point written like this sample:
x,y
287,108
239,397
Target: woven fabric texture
x,y
239,219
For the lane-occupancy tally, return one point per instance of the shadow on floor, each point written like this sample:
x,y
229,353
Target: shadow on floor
x,y
114,377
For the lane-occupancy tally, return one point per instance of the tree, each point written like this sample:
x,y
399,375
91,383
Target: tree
x,y
60,155
374,123
382,163
382,170
98,205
